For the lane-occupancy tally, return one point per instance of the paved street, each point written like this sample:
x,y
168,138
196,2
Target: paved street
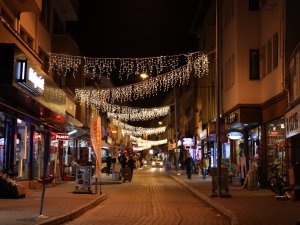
x,y
151,198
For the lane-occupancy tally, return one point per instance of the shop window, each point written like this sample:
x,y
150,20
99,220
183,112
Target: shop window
x,y
2,142
254,64
276,144
22,150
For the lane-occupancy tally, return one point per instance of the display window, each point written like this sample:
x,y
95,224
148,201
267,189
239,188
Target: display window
x,y
22,150
276,144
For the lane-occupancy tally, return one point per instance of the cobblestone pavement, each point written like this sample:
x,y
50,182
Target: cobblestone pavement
x,y
151,198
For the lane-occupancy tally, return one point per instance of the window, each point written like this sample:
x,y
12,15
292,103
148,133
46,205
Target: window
x,y
43,56
253,5
26,37
45,14
275,50
254,64
263,62
269,56
294,76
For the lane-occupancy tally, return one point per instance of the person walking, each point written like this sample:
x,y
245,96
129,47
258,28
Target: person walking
x,y
108,164
131,165
189,164
205,165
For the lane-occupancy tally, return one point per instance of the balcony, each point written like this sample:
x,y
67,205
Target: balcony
x,y
22,5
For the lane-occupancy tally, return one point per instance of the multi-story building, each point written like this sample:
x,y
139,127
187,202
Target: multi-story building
x,y
37,107
258,54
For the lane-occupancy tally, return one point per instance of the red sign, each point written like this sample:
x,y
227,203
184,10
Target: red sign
x,y
62,136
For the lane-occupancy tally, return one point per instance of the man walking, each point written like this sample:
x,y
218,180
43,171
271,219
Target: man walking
x,y
190,164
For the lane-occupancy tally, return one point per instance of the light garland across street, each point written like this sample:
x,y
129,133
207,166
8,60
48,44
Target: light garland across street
x,y
125,113
146,144
147,88
138,131
125,67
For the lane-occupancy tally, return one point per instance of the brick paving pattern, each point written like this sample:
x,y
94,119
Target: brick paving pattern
x,y
151,198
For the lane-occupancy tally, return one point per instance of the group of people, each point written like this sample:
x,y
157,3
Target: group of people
x,y
124,162
190,166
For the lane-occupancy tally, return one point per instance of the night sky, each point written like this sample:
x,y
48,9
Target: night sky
x,y
135,28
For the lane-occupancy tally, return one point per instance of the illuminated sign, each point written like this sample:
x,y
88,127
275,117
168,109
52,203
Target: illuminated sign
x,y
292,126
188,141
29,79
231,118
62,136
234,135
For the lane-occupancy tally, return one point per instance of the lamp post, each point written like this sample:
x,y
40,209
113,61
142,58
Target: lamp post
x,y
176,133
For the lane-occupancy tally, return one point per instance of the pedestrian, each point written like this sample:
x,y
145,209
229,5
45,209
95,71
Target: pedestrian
x,y
123,160
205,166
189,164
108,164
131,165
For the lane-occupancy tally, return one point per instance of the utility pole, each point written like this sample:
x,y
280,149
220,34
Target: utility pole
x,y
218,122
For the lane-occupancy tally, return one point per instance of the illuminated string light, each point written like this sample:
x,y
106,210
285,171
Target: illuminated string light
x,y
146,144
138,131
64,64
125,113
147,88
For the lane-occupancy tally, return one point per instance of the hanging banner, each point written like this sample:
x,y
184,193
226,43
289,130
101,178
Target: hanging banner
x,y
96,139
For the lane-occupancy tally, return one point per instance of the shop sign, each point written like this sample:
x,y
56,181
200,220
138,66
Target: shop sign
x,y
231,118
29,79
234,135
62,136
291,122
188,141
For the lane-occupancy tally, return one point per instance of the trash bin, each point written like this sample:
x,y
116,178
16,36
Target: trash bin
x,y
215,180
116,176
126,174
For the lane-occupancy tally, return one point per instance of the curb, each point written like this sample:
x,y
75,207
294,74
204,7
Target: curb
x,y
75,213
228,213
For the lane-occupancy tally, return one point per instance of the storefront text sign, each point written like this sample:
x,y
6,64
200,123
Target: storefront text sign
x,y
29,79
231,118
188,141
291,122
62,136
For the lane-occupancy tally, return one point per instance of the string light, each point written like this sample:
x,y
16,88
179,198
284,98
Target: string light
x,y
138,131
64,64
180,76
146,144
125,113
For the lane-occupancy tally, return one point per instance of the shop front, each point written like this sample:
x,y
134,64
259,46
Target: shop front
x,y
32,110
292,125
241,152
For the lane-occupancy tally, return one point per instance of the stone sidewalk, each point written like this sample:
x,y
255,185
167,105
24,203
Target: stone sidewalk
x,y
245,207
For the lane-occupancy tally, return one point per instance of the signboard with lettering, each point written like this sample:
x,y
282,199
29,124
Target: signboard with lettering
x,y
188,141
292,126
29,79
231,118
62,136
